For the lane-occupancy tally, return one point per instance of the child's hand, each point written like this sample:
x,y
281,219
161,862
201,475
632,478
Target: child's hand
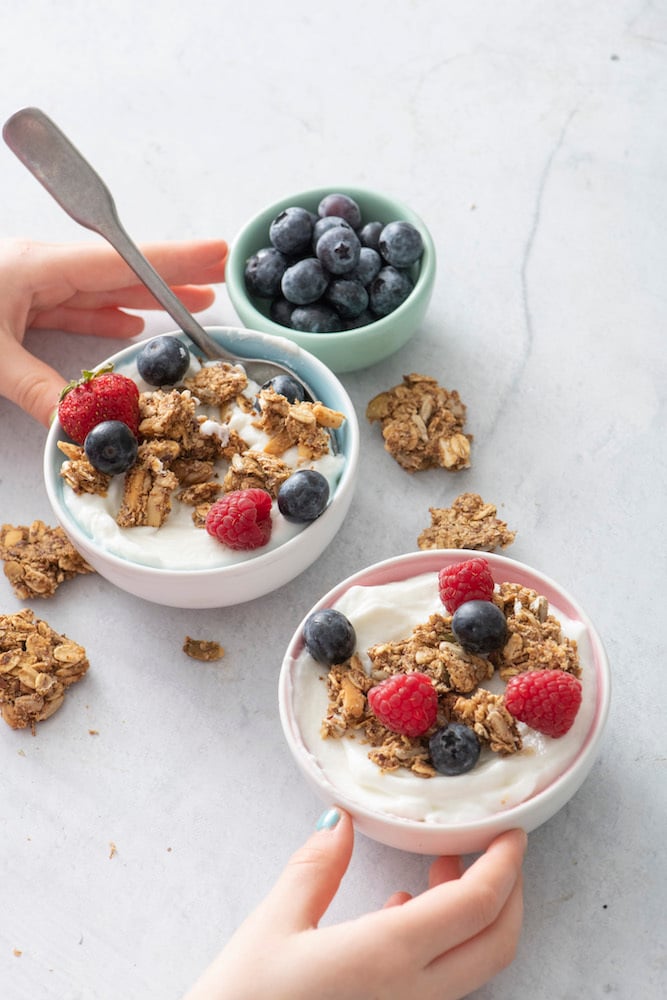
x,y
441,944
83,288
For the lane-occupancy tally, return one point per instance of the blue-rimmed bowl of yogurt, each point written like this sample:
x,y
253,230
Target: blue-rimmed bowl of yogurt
x,y
439,814
178,564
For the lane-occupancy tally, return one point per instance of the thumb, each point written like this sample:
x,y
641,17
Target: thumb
x,y
29,382
313,874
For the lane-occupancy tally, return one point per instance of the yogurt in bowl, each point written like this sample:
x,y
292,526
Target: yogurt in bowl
x,y
181,565
413,807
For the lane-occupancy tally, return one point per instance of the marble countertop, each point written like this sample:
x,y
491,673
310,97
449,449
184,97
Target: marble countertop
x,y
531,139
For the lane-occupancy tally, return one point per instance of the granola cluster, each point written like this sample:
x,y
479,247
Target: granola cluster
x,y
180,450
422,424
535,642
469,523
37,665
38,558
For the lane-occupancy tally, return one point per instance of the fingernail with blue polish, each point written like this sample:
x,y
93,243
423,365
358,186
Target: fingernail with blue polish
x,y
328,820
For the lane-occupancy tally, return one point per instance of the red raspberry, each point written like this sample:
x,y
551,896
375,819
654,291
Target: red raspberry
x,y
241,519
465,581
546,700
405,703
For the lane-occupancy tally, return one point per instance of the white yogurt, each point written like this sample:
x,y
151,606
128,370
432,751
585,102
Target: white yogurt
x,y
388,613
178,544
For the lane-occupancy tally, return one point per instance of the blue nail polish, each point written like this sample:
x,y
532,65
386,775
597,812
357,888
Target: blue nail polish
x,y
328,820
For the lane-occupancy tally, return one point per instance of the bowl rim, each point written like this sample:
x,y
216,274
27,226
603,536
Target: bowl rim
x,y
240,297
402,567
81,539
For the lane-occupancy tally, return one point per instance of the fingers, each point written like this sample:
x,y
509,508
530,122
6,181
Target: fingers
x,y
28,382
90,268
94,322
473,963
444,869
311,878
194,297
397,899
455,911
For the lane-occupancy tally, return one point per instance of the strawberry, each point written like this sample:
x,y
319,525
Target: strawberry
x,y
465,581
241,519
95,397
405,703
546,700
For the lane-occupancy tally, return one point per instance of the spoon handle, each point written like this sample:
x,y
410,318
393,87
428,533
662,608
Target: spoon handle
x,y
80,191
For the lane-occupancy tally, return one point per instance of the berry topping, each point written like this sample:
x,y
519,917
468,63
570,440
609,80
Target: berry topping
x,y
546,700
480,627
465,581
303,496
405,703
454,749
163,361
97,396
111,447
241,519
329,636
288,387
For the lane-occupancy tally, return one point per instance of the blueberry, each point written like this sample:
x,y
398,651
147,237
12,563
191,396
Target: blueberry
x,y
329,636
163,361
327,222
369,235
388,289
316,319
401,244
286,386
291,230
263,272
370,263
454,749
111,447
304,282
338,250
280,311
363,319
480,627
349,298
303,496
342,205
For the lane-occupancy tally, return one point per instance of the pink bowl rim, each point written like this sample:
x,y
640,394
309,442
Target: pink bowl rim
x,y
411,564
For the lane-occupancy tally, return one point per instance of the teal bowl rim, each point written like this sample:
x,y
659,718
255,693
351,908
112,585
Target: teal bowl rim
x,y
424,271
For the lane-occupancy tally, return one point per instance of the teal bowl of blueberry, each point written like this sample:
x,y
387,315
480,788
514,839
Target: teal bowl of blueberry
x,y
345,273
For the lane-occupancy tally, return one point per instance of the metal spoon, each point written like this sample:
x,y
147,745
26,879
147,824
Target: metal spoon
x,y
48,154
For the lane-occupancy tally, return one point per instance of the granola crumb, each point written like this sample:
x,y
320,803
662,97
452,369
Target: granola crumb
x,y
113,850
422,424
37,665
470,523
203,649
38,558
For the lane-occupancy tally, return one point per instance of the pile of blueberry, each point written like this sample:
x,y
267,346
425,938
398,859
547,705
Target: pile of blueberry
x,y
329,271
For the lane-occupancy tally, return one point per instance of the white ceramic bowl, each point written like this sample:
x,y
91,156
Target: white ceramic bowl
x,y
452,837
261,572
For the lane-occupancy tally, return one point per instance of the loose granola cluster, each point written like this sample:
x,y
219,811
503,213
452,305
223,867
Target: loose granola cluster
x,y
37,665
535,642
469,523
422,424
180,449
38,558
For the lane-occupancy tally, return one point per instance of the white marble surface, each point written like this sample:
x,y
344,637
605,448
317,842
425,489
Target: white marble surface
x,y
531,137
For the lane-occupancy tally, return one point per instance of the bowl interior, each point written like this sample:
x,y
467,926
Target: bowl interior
x,y
474,835
135,576
349,349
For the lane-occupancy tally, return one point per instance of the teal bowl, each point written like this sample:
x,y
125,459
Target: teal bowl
x,y
349,350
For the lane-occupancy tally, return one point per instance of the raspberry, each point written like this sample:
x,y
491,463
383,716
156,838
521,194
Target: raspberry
x,y
405,703
241,519
546,700
465,581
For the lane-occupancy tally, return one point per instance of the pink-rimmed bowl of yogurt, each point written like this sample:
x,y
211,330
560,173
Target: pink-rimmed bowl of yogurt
x,y
178,565
442,814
